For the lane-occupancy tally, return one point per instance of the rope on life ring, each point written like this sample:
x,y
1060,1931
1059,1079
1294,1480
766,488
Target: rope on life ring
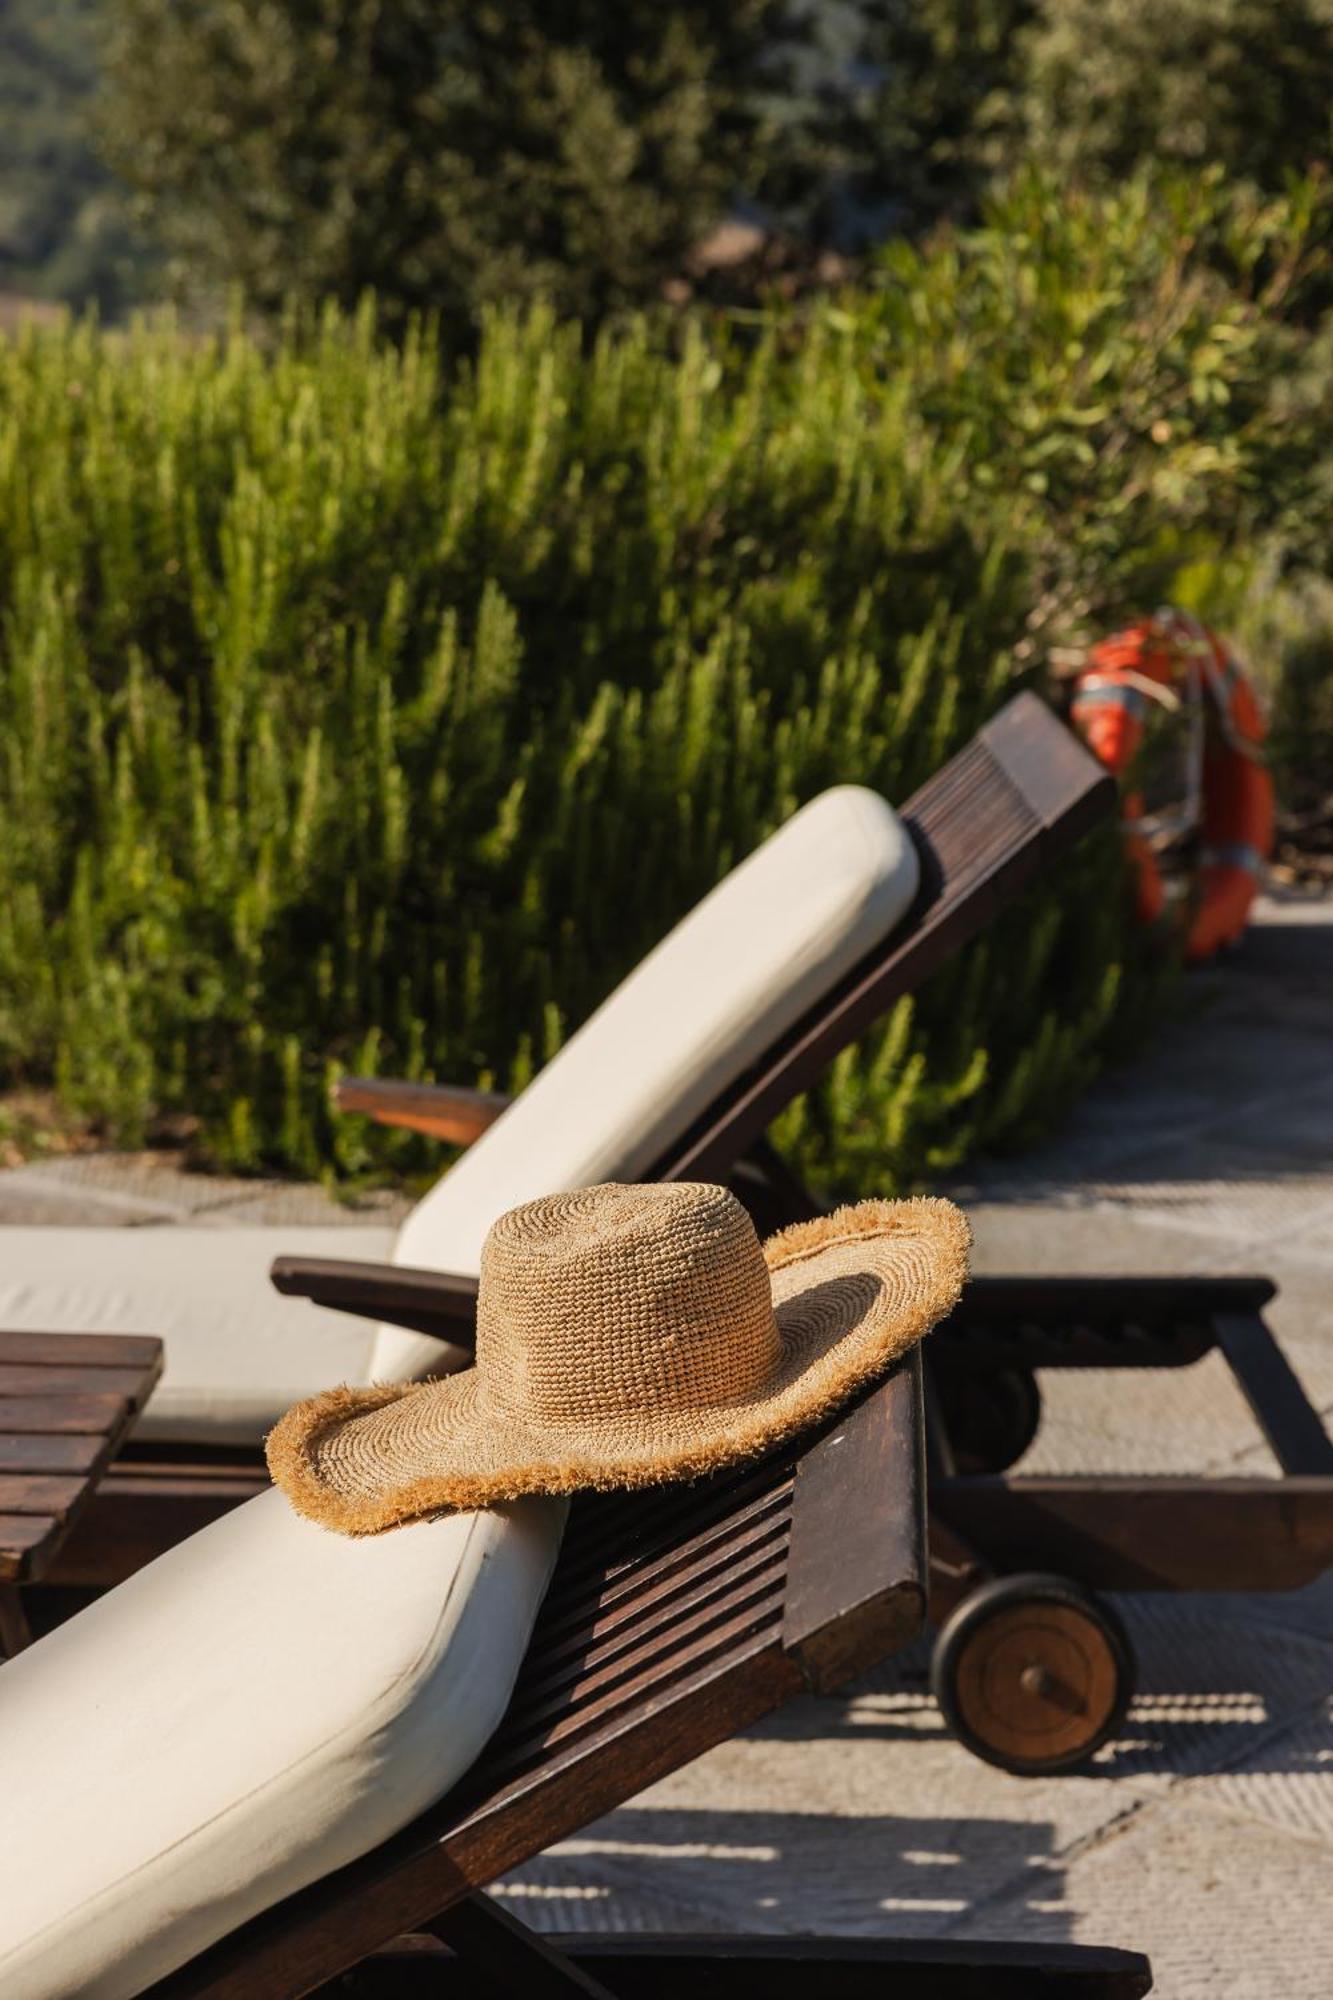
x,y
1174,662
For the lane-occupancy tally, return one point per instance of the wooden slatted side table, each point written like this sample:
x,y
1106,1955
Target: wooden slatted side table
x,y
67,1401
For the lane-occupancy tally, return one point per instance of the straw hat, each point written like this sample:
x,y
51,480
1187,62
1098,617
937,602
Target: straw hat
x,y
627,1336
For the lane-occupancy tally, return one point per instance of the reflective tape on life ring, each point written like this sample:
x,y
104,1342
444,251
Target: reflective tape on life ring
x,y
1235,854
1094,692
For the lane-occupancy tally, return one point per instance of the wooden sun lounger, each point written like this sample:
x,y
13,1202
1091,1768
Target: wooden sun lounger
x,y
1109,1533
1136,1533
1018,795
1022,792
675,1618
1095,1533
1141,1533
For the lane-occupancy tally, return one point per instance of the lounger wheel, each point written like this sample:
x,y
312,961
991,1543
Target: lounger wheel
x,y
991,1415
1033,1673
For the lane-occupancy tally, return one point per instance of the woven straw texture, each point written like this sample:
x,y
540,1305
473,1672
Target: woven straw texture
x,y
628,1336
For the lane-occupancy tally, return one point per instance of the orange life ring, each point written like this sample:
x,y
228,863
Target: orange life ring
x,y
1172,658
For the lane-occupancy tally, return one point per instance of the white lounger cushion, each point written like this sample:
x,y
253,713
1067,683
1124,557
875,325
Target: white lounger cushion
x,y
253,1710
767,944
237,1355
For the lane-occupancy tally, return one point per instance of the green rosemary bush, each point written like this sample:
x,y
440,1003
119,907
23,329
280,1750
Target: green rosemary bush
x,y
367,712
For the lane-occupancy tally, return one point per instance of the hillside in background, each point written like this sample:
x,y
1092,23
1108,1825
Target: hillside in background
x,y
63,232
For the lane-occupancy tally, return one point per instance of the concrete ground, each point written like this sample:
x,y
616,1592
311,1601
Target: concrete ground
x,y
1205,1835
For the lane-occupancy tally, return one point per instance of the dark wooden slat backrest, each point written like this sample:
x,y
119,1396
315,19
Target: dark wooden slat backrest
x,y
675,1618
1020,793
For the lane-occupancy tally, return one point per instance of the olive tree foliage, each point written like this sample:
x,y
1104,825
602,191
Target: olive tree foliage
x,y
451,153
1097,88
949,100
1245,84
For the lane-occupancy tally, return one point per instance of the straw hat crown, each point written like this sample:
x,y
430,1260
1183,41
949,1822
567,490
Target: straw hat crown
x,y
614,1301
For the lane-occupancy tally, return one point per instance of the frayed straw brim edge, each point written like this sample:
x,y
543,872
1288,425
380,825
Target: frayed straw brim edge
x,y
925,1214
291,1445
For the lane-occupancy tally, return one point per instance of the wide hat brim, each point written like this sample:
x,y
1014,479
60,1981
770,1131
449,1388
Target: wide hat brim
x,y
852,1293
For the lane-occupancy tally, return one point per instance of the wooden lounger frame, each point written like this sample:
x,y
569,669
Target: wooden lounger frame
x,y
992,820
674,1619
1022,790
1112,1533
1019,794
1204,1534
1136,1532
1016,796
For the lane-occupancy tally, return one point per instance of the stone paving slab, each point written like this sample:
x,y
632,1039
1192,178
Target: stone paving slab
x,y
1222,1906
858,1814
140,1190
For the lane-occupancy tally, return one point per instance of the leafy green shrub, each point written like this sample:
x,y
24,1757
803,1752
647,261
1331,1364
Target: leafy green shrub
x,y
1244,84
364,713
1285,632
1137,363
1280,600
1096,90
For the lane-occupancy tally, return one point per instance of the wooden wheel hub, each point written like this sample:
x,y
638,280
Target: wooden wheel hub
x,y
1037,1682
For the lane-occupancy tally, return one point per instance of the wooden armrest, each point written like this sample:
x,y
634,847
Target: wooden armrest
x,y
434,1302
857,1567
440,1110
1103,1297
